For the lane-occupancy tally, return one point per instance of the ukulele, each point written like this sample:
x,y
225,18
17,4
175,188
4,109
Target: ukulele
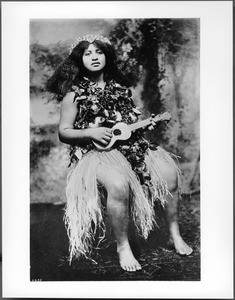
x,y
121,131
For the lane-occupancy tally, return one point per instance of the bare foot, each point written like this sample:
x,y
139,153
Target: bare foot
x,y
180,246
127,259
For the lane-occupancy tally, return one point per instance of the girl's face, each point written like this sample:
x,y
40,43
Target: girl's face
x,y
93,59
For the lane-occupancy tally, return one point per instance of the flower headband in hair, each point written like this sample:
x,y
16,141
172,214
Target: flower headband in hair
x,y
89,38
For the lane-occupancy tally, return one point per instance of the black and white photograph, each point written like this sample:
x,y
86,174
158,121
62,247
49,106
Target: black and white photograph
x,y
118,171
128,128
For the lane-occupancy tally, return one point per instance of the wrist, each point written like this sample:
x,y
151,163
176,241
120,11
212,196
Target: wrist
x,y
90,134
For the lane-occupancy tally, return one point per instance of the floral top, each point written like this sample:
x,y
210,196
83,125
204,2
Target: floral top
x,y
107,107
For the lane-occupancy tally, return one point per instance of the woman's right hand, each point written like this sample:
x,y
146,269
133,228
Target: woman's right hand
x,y
101,135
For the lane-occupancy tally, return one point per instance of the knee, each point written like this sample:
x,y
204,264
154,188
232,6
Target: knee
x,y
119,189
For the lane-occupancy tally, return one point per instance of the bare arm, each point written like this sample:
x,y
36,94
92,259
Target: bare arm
x,y
69,135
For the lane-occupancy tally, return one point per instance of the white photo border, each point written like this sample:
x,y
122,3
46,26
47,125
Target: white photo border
x,y
216,135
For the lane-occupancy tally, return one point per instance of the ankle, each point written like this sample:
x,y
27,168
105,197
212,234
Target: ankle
x,y
123,246
175,236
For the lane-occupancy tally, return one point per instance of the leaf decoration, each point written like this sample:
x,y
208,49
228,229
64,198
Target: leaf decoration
x,y
113,104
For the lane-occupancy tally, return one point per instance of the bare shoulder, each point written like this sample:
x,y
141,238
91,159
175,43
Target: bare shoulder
x,y
68,98
68,105
68,111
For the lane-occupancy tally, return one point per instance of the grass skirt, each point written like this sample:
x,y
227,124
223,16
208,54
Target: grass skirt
x,y
84,210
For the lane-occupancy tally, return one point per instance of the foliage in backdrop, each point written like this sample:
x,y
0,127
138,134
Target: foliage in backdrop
x,y
161,57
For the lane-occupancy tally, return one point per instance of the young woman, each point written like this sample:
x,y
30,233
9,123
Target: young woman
x,y
131,175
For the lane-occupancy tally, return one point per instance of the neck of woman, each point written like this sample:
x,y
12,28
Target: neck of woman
x,y
98,78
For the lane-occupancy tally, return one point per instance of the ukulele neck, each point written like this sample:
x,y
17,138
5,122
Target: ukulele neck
x,y
139,124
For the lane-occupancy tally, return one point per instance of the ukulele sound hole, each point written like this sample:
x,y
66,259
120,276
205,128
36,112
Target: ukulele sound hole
x,y
117,132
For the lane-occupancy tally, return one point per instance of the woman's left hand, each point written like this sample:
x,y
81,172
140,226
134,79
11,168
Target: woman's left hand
x,y
153,123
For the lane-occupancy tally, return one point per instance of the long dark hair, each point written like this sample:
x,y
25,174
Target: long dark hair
x,y
71,70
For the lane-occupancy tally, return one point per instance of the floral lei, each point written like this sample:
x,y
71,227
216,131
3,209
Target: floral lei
x,y
109,106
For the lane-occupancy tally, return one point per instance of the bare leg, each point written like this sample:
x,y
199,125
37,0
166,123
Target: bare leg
x,y
117,207
172,208
172,217
118,210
